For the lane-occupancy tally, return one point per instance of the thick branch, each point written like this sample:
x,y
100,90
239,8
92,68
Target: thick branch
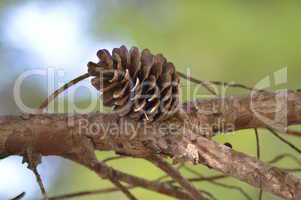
x,y
258,110
178,137
248,169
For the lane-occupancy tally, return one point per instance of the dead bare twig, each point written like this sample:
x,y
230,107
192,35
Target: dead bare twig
x,y
113,158
161,178
258,157
105,171
173,173
283,156
85,193
62,89
19,197
294,147
114,189
33,159
205,84
212,181
123,189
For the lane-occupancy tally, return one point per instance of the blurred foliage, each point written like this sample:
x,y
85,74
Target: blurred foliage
x,y
240,41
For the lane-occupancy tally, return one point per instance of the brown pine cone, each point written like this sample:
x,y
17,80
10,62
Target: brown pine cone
x,y
142,86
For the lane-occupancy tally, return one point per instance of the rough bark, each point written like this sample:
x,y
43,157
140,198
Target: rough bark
x,y
185,137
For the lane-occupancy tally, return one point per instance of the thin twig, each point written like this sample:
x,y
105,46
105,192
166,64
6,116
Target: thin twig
x,y
200,179
233,187
62,89
123,189
33,159
114,189
19,197
172,172
113,158
40,182
258,157
282,156
105,171
194,80
235,85
284,140
257,144
206,84
219,184
211,196
161,178
291,169
85,193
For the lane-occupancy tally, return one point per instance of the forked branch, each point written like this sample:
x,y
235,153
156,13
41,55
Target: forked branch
x,y
186,137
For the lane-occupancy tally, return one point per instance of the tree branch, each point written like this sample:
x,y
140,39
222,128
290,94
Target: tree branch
x,y
185,137
173,173
105,171
249,169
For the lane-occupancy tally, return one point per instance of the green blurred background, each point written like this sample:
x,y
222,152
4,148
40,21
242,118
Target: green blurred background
x,y
233,41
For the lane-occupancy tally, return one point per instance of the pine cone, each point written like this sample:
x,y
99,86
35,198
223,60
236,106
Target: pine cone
x,y
142,86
